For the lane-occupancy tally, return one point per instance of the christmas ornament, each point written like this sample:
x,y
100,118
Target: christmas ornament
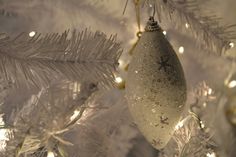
x,y
155,87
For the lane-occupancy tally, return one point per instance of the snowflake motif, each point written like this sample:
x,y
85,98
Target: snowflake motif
x,y
164,120
156,142
164,63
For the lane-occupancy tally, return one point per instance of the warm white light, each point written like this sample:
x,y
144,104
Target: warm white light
x,y
209,91
76,113
119,79
121,63
202,125
205,92
211,154
231,44
186,25
51,154
164,32
181,49
179,125
31,34
232,84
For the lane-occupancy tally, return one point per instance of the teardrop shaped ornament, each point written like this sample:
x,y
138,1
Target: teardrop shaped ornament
x,y
156,86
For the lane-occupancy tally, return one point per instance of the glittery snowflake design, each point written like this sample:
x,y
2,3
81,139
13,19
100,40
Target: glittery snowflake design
x,y
164,63
156,142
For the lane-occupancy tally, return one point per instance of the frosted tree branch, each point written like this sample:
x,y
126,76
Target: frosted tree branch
x,y
210,35
41,122
38,60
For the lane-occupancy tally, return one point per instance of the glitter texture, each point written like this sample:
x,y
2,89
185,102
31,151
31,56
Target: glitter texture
x,y
161,85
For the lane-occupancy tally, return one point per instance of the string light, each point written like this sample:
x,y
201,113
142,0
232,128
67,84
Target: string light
x,y
76,113
211,154
121,64
209,91
179,125
181,49
118,80
232,84
50,154
32,34
120,83
231,44
202,125
164,32
187,25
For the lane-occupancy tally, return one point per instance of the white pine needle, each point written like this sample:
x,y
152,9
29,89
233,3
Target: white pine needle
x,y
205,28
38,60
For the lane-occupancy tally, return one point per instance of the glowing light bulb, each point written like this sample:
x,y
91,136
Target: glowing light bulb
x,y
121,63
118,80
211,154
209,91
231,45
186,25
181,49
76,113
31,34
232,84
164,32
179,125
202,125
50,154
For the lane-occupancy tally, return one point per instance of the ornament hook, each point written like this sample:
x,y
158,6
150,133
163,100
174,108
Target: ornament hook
x,y
154,10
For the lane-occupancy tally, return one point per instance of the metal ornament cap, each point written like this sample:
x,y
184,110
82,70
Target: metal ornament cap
x,y
152,25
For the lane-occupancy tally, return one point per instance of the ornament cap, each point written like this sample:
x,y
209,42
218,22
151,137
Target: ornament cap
x,y
152,25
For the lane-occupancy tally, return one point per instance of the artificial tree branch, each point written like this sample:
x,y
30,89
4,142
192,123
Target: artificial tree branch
x,y
207,31
39,60
43,119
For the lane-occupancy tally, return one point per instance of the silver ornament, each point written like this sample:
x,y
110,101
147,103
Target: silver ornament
x,y
156,86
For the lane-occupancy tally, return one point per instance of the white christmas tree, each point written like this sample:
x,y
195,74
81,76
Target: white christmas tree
x,y
66,94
